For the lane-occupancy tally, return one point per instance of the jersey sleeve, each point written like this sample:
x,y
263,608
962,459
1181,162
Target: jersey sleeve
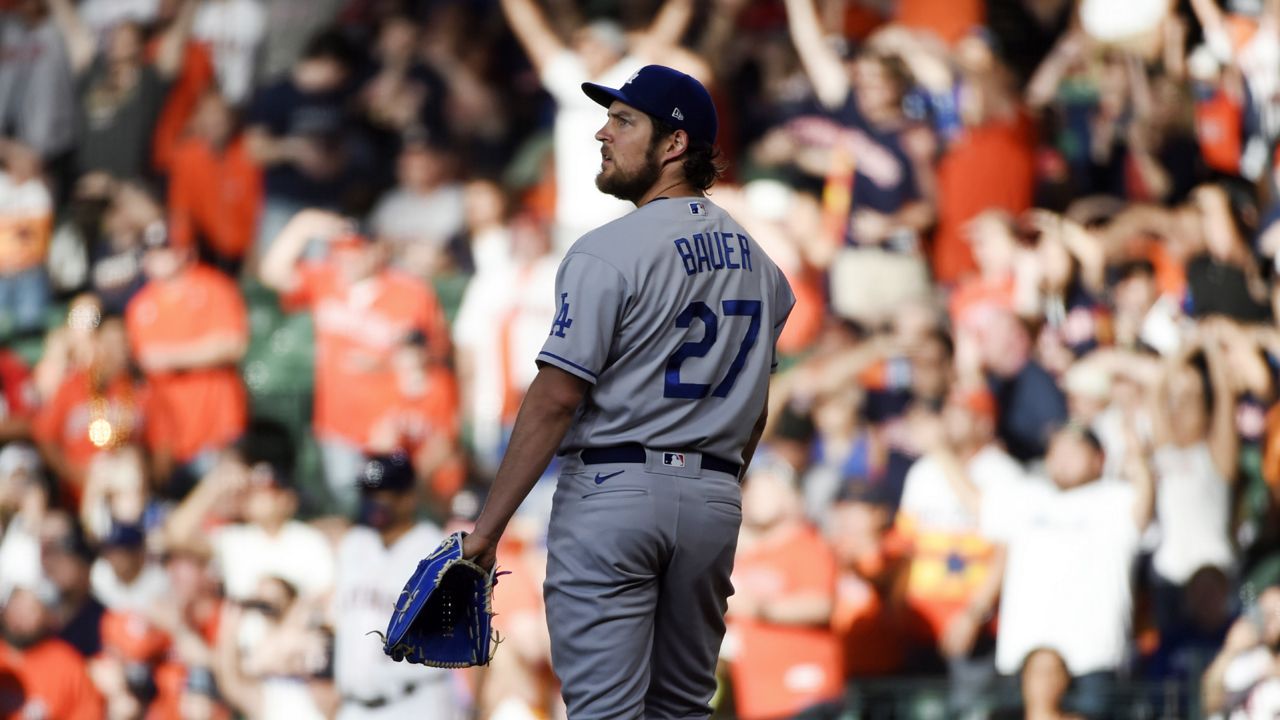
x,y
589,299
784,300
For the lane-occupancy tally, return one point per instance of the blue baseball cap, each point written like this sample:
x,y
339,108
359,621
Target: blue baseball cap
x,y
392,472
667,95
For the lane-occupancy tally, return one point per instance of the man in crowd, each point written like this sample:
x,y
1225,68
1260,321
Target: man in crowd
x,y
188,330
374,558
251,492
1071,542
363,309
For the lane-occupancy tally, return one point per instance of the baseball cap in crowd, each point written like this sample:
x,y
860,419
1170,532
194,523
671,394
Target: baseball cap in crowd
x,y
386,472
124,535
665,94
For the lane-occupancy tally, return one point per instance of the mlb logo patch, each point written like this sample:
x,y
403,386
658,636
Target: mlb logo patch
x,y
673,459
697,208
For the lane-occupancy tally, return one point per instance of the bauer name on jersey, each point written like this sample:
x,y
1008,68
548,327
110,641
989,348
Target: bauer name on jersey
x,y
672,313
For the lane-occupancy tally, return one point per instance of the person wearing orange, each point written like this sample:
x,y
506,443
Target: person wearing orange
x,y
421,419
40,675
783,656
215,188
97,409
989,166
954,575
188,329
195,76
362,310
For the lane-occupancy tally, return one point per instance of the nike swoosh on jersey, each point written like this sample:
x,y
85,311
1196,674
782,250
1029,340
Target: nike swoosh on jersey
x,y
601,478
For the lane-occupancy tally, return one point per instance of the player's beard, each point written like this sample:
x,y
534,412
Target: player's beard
x,y
631,185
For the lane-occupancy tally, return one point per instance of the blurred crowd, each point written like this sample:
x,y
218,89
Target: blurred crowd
x,y
273,274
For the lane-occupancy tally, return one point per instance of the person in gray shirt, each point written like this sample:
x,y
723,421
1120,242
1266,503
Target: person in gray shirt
x,y
653,386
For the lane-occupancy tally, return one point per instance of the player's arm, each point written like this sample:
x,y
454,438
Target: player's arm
x,y
821,62
535,34
750,450
544,418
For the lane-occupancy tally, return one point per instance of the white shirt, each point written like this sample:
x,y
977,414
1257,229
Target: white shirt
x,y
503,303
299,554
370,578
580,206
431,218
233,29
1066,582
138,596
928,498
1193,507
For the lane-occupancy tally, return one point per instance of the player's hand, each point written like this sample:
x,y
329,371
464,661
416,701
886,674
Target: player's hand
x,y
480,550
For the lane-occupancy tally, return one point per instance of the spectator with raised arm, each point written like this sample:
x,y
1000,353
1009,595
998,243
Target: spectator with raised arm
x,y
600,52
893,176
215,188
36,91
1071,541
363,309
121,93
1196,453
955,570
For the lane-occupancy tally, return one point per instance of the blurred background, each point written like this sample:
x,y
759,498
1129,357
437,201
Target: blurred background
x,y
273,274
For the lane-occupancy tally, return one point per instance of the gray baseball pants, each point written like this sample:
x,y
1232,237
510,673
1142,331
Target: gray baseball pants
x,y
638,565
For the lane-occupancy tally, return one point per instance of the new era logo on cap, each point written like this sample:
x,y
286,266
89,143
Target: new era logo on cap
x,y
673,459
677,114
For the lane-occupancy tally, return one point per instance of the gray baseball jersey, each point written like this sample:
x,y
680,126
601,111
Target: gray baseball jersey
x,y
672,313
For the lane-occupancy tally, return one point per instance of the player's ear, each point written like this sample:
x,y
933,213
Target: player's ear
x,y
677,144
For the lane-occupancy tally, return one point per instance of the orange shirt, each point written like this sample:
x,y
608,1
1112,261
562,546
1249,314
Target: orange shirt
x,y
410,422
356,328
123,412
207,407
948,19
1220,130
49,680
780,670
216,195
986,167
947,569
976,297
195,76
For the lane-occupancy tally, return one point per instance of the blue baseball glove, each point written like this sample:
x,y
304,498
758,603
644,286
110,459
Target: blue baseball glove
x,y
443,616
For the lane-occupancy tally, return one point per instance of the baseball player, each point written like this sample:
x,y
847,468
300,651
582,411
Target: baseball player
x,y
373,559
653,385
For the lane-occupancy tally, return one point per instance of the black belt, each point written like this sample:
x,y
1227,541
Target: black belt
x,y
635,453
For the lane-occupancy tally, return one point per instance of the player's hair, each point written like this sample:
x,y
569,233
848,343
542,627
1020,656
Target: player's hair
x,y
703,161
